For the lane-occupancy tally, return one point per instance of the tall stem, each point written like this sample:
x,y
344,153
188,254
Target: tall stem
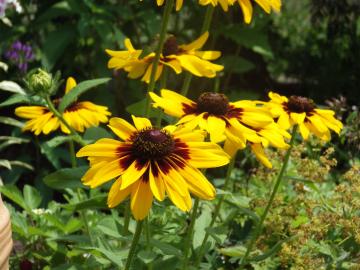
x,y
190,233
148,238
259,226
205,27
134,243
126,218
73,132
165,20
216,211
72,154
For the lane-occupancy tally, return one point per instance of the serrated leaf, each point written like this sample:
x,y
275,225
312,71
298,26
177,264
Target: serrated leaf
x,y
81,88
66,178
32,197
11,87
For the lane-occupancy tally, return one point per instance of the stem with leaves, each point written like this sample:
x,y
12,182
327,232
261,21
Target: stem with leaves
x,y
259,226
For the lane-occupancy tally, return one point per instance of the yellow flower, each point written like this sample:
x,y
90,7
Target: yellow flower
x,y
246,6
79,115
238,123
177,57
151,162
303,112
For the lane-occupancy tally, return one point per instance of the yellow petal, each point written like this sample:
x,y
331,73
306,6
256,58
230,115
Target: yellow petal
x,y
133,173
121,128
141,122
247,10
157,186
116,196
196,44
141,200
70,84
258,150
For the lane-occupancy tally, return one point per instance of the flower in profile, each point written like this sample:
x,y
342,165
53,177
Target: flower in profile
x,y
246,6
177,57
79,115
303,112
151,162
236,123
20,55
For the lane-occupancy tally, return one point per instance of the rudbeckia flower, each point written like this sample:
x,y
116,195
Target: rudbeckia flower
x,y
246,6
150,162
236,123
303,112
79,115
177,57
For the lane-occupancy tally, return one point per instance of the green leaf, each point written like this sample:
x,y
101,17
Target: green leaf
x,y
235,251
236,64
138,108
19,98
81,88
73,225
96,133
166,248
201,224
11,121
93,203
21,164
66,178
5,163
147,256
14,194
298,221
32,197
11,140
56,141
55,44
11,87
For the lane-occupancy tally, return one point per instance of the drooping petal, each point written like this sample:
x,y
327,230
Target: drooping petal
x,y
116,196
141,200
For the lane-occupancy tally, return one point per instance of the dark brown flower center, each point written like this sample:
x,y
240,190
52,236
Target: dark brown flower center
x,y
153,143
213,103
300,104
170,46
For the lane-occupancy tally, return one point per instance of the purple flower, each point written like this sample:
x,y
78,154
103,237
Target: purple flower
x,y
20,55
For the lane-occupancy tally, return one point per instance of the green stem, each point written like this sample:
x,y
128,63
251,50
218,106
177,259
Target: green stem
x,y
186,84
190,233
73,132
72,154
134,243
162,86
208,18
148,237
205,27
216,211
126,218
84,219
165,20
259,226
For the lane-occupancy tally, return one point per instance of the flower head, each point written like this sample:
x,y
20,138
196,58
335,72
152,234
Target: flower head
x,y
21,55
5,3
177,57
178,6
151,162
303,112
79,115
236,123
246,6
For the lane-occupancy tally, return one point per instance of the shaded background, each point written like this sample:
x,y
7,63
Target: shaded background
x,y
311,48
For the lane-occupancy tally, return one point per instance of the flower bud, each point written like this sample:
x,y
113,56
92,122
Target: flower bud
x,y
42,83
